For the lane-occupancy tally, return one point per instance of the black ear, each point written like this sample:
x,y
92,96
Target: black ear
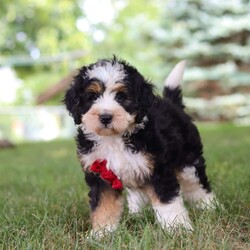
x,y
141,89
145,98
73,96
72,101
146,95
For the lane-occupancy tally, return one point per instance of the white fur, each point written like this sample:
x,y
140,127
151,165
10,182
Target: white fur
x,y
192,190
173,214
128,166
108,74
175,77
106,102
100,233
136,200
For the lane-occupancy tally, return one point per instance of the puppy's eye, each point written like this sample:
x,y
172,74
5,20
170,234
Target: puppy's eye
x,y
121,96
92,96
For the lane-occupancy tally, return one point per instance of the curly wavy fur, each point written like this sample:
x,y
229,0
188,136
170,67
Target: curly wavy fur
x,y
149,142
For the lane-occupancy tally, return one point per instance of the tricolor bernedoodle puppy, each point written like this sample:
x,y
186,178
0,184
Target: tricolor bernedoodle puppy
x,y
129,138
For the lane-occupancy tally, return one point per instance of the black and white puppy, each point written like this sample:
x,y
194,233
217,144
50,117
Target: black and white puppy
x,y
148,142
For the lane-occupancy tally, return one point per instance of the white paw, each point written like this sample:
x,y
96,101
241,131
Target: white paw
x,y
173,215
174,221
208,201
100,233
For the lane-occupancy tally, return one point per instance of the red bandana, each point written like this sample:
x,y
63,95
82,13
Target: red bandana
x,y
99,166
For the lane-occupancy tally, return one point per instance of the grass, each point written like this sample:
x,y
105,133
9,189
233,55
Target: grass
x,y
44,201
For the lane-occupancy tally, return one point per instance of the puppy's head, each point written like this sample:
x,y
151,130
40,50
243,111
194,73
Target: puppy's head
x,y
108,97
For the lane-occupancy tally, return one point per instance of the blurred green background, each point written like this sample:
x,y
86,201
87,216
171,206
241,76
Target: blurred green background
x,y
43,42
43,201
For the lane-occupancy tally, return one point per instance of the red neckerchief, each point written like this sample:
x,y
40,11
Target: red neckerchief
x,y
99,166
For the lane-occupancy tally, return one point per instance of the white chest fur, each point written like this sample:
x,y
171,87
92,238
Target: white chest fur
x,y
130,168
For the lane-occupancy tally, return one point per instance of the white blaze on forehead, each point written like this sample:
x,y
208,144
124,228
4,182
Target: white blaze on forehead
x,y
107,72
106,101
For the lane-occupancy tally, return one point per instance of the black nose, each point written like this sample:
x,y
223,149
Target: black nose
x,y
105,118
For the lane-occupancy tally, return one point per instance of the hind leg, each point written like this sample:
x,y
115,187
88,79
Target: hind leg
x,y
194,184
166,200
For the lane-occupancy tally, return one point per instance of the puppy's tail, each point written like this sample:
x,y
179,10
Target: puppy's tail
x,y
172,89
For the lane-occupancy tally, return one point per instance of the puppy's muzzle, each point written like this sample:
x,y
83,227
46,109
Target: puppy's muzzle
x,y
106,118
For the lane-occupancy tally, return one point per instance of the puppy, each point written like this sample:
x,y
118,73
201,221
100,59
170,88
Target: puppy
x,y
129,138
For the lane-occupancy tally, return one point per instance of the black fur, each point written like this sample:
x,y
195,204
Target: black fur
x,y
175,95
169,135
97,185
84,145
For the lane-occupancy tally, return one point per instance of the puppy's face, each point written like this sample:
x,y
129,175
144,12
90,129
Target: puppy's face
x,y
108,97
109,104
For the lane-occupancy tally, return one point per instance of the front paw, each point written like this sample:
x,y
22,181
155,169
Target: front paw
x,y
172,221
173,215
100,233
208,201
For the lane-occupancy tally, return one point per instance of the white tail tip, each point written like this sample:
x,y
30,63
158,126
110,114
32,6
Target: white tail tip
x,y
175,77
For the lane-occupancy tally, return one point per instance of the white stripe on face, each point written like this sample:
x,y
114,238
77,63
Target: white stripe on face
x,y
108,73
112,77
106,102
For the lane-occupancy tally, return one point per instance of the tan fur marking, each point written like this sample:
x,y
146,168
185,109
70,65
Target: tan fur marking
x,y
95,87
108,212
188,181
152,195
121,121
119,87
151,162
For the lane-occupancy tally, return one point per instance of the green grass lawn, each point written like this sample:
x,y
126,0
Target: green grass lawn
x,y
44,200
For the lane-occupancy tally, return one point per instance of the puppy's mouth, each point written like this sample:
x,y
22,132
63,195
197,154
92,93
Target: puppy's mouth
x,y
101,129
110,129
106,124
106,130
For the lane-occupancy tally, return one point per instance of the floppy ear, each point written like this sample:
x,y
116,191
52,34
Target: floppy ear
x,y
146,97
141,90
74,95
72,101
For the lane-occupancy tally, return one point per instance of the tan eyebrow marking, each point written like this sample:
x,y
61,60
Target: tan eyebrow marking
x,y
119,87
95,87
